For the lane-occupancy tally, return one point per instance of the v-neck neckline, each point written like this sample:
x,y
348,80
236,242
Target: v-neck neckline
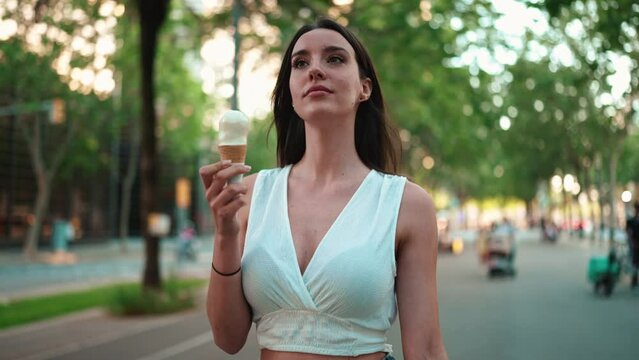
x,y
328,232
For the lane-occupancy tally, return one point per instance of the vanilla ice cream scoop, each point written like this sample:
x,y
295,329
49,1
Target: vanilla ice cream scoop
x,y
234,128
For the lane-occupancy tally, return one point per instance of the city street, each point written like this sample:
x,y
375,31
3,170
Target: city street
x,y
548,311
125,125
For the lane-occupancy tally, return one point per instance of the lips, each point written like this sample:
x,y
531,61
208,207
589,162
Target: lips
x,y
317,88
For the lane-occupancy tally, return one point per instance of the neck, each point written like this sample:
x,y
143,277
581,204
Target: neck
x,y
331,154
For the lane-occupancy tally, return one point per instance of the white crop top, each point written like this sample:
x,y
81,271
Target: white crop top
x,y
344,302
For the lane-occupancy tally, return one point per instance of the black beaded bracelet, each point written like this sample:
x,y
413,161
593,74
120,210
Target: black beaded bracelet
x,y
225,274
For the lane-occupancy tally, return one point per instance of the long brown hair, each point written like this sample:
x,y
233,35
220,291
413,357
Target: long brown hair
x,y
376,140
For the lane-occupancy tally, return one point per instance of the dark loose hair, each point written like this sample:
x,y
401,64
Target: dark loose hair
x,y
376,140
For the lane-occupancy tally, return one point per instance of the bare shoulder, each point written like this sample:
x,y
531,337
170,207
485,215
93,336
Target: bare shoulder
x,y
417,217
415,198
249,181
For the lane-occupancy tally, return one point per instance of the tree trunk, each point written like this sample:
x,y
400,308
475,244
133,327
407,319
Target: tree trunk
x,y
614,157
588,183
602,220
43,178
600,199
40,210
129,179
529,213
152,15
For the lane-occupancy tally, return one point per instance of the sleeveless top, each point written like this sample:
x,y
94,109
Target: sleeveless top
x,y
344,302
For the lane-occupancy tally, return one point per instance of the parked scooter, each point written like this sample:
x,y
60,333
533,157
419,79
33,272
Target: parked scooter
x,y
604,272
499,253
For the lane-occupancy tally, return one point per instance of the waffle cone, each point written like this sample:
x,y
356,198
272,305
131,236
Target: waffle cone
x,y
235,153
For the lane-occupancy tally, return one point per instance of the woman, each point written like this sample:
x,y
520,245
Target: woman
x,y
332,244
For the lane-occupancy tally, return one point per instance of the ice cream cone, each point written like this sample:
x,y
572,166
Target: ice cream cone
x,y
235,153
234,127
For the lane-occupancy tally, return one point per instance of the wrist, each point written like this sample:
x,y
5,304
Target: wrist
x,y
226,261
223,273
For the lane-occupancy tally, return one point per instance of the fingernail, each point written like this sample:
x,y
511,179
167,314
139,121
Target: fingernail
x,y
247,167
226,162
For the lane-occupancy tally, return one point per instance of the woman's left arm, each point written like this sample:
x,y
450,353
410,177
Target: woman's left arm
x,y
416,282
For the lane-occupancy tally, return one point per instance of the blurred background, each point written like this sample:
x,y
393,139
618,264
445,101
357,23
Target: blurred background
x,y
523,107
518,112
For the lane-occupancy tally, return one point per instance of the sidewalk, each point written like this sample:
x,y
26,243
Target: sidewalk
x,y
96,264
96,334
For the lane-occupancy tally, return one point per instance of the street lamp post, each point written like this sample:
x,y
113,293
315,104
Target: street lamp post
x,y
12,176
235,13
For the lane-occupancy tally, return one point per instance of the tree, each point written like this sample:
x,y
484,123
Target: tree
x,y
602,36
50,39
151,16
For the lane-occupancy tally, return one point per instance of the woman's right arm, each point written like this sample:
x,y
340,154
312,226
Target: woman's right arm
x,y
227,309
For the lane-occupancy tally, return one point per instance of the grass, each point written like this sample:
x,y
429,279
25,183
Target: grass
x,y
175,296
121,299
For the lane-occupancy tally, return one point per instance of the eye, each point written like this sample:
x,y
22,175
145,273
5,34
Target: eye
x,y
335,59
299,63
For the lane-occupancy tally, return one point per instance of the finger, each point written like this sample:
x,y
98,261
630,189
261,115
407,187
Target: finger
x,y
222,177
224,195
207,172
231,192
231,208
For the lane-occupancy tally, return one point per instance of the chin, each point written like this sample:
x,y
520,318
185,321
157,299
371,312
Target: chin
x,y
323,113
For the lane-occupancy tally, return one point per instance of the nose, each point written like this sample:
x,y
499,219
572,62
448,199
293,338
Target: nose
x,y
316,73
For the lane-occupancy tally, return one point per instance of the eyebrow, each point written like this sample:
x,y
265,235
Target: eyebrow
x,y
331,48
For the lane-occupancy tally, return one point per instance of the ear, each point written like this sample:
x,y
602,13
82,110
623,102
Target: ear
x,y
367,88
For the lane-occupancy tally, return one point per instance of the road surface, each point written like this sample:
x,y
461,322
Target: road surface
x,y
547,312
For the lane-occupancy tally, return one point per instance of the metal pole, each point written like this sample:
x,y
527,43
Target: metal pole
x,y
114,176
12,175
235,13
113,182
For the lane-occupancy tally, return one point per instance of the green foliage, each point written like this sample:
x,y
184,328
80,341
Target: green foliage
x,y
261,147
40,308
608,31
426,95
181,103
450,108
629,161
612,20
28,78
45,307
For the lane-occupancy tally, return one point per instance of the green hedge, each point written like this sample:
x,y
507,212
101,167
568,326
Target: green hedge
x,y
121,299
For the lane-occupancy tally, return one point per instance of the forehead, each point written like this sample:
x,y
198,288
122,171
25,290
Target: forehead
x,y
319,39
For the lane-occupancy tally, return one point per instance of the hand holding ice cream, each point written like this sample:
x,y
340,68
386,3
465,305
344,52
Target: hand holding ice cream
x,y
234,127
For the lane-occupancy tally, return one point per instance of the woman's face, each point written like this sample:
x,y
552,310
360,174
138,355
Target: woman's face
x,y
325,78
